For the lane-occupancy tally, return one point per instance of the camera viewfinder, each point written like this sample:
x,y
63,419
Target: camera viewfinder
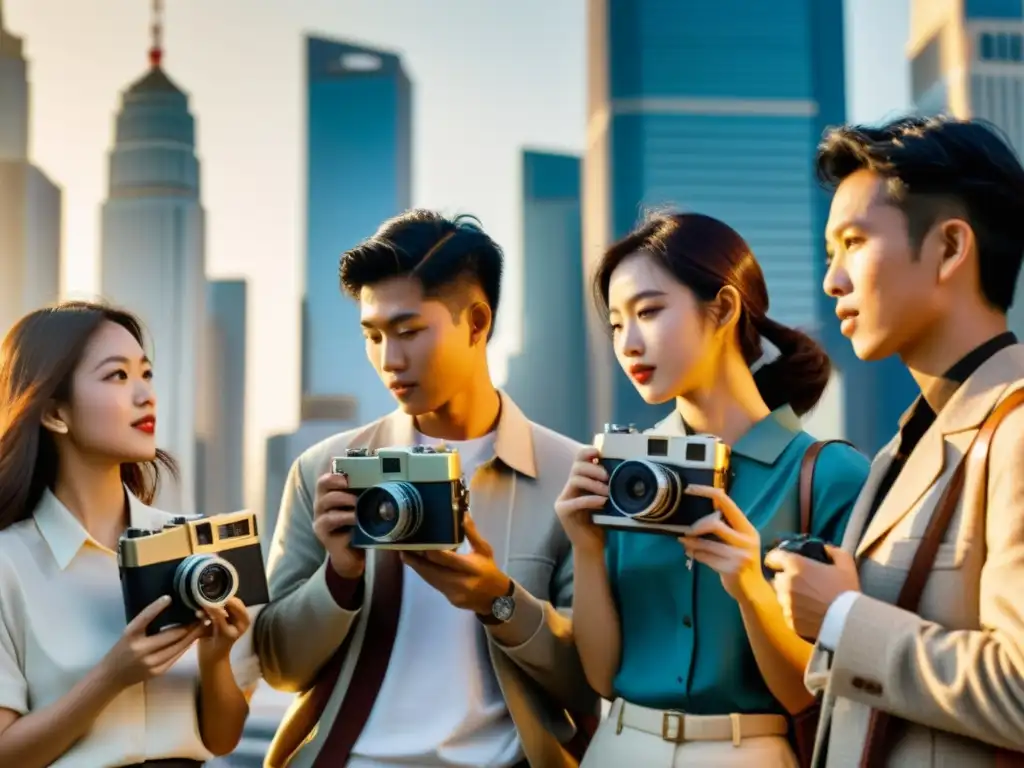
x,y
204,534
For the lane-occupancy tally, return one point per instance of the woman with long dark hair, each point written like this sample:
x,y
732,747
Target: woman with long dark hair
x,y
78,466
686,636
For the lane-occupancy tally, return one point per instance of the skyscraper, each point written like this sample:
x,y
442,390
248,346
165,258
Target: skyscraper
x,y
30,204
358,173
715,106
153,254
548,378
221,428
967,59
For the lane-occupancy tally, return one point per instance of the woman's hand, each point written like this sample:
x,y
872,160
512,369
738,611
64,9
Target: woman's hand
x,y
137,656
585,491
737,556
226,625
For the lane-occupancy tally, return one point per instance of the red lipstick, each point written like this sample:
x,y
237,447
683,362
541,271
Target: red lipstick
x,y
642,373
146,424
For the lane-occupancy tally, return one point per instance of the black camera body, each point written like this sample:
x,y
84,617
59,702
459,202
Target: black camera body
x,y
199,562
805,545
406,498
649,473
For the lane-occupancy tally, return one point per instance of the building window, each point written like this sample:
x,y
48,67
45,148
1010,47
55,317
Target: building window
x,y
1002,47
1016,53
988,47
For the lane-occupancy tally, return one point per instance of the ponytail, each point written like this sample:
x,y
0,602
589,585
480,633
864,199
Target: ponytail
x,y
799,375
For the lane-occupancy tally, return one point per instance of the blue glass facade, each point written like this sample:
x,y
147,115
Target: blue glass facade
x,y
359,126
716,106
546,379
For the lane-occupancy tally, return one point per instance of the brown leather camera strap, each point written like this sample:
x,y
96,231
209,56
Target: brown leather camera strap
x,y
878,744
368,673
806,489
367,677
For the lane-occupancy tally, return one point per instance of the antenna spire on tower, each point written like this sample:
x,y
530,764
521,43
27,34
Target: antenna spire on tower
x,y
156,52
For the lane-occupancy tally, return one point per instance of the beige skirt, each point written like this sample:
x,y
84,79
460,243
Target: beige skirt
x,y
637,737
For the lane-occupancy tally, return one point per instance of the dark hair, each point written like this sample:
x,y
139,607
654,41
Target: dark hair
x,y
38,359
938,166
442,253
706,255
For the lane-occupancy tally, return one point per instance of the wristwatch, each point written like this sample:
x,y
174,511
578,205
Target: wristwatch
x,y
502,607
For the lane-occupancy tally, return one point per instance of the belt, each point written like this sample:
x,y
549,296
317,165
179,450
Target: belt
x,y
679,727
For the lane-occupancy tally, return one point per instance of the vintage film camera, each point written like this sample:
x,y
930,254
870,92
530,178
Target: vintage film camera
x,y
648,474
805,545
199,562
407,498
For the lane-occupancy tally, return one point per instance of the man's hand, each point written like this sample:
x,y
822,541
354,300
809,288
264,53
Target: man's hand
x,y
334,517
806,588
471,581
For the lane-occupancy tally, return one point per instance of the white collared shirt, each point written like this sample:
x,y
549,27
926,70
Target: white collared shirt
x,y
61,611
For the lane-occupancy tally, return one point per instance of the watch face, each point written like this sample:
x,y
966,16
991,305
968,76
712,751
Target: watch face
x,y
502,608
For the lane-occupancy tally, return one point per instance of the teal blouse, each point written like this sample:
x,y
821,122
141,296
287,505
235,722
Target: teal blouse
x,y
684,646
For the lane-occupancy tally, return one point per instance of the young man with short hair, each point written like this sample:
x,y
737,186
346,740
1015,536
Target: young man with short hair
x,y
479,665
925,241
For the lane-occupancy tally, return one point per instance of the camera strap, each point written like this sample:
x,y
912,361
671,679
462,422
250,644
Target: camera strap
x,y
381,617
372,664
806,486
804,725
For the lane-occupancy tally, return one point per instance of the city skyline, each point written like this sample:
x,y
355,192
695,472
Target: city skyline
x,y
31,204
547,113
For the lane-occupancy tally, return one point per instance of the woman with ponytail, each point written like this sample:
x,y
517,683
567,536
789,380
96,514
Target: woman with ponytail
x,y
665,626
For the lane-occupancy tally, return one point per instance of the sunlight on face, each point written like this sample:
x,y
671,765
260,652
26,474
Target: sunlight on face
x,y
111,392
415,345
661,335
885,295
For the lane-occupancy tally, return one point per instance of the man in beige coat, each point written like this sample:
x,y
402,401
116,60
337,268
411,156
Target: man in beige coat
x,y
479,665
925,240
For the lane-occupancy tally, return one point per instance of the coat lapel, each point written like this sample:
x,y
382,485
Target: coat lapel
x,y
967,408
858,518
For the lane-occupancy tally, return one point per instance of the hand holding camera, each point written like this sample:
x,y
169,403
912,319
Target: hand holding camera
x,y
585,491
226,624
139,656
334,519
729,544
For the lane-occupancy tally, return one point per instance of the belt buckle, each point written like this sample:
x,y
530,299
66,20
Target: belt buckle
x,y
679,718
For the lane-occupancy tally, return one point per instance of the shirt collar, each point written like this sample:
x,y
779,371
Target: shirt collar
x,y
763,442
513,442
936,398
65,535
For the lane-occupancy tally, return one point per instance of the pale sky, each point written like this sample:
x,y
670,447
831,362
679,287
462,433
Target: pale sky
x,y
489,78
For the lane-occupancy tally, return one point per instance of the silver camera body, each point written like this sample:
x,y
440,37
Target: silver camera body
x,y
649,473
407,498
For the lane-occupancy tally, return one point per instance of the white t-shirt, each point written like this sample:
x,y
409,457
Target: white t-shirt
x,y
440,704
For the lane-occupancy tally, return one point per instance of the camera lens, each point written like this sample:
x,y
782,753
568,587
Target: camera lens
x,y
213,583
645,490
390,512
203,581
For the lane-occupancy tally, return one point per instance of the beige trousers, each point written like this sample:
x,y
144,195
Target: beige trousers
x,y
637,737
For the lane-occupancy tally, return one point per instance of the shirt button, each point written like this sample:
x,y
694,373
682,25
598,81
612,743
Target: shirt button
x,y
687,622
